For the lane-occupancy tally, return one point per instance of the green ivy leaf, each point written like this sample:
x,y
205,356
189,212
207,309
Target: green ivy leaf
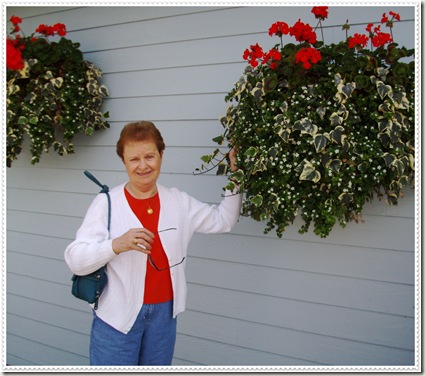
x,y
103,90
320,142
392,199
222,168
206,158
335,165
57,82
384,90
89,131
335,119
389,159
269,83
306,126
238,176
257,200
283,133
251,151
230,186
308,172
336,135
345,198
219,140
259,166
386,107
22,120
400,100
321,111
33,119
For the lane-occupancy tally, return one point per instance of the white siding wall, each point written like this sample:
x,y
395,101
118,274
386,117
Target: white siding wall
x,y
253,299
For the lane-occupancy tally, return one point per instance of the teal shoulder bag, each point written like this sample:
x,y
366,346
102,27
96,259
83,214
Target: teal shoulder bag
x,y
89,287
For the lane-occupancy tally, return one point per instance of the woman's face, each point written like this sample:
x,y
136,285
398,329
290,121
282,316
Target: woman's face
x,y
142,161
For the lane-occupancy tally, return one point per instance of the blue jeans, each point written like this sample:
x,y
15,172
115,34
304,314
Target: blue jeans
x,y
150,341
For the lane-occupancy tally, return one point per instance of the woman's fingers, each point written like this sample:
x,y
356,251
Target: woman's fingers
x,y
142,239
138,239
232,158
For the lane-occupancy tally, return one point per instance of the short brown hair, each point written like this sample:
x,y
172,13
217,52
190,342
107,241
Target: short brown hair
x,y
139,131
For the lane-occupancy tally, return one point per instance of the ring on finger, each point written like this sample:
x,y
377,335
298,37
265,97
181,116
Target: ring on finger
x,y
135,241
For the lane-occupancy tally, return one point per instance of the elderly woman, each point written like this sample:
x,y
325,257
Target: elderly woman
x,y
145,252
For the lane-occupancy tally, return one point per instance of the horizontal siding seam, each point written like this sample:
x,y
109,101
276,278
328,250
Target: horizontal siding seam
x,y
155,18
109,73
248,348
50,304
43,235
264,32
307,272
306,241
303,331
44,280
43,344
304,301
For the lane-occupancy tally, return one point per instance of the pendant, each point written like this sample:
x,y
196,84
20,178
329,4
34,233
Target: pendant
x,y
150,210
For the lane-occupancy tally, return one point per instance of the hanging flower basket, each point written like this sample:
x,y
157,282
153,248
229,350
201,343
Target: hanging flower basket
x,y
52,92
320,129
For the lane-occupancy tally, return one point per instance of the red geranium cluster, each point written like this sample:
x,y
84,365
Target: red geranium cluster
x,y
308,56
304,33
387,21
14,59
377,37
59,29
14,47
358,40
320,12
252,55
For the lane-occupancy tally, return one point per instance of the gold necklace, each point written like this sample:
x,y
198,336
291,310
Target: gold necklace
x,y
149,210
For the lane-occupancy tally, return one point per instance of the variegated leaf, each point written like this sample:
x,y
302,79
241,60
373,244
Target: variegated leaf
x,y
306,126
308,172
257,200
336,134
384,90
320,142
345,198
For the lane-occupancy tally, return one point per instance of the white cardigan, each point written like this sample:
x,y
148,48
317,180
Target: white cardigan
x,y
122,297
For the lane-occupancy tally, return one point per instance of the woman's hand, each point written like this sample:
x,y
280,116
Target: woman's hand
x,y
232,158
135,239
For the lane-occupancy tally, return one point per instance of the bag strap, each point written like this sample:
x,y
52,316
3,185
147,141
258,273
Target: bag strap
x,y
105,189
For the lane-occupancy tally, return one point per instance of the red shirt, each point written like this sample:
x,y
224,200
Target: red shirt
x,y
158,285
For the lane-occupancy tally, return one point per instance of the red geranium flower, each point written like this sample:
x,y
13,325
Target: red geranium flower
x,y
15,20
320,12
308,56
279,28
252,55
395,15
358,40
369,27
46,30
60,29
303,32
390,22
384,18
14,59
379,39
273,55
